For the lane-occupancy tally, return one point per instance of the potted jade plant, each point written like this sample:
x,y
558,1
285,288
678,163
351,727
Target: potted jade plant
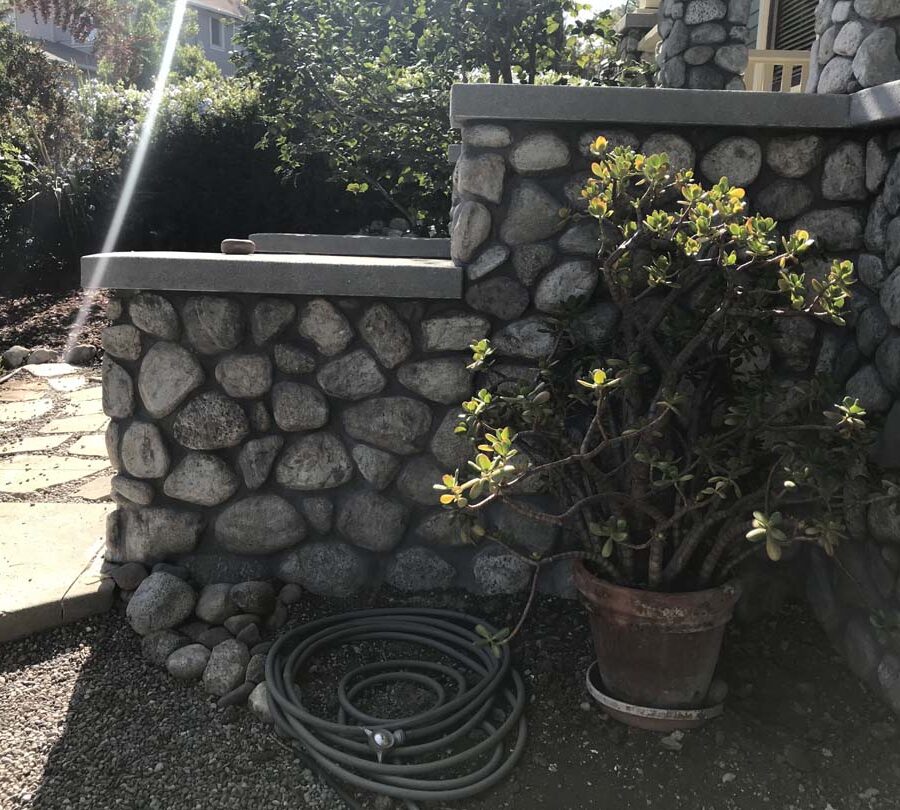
x,y
682,445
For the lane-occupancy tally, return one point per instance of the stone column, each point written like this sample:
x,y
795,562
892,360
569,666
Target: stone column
x,y
631,29
704,44
856,45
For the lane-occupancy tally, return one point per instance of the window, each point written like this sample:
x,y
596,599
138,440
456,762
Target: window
x,y
216,33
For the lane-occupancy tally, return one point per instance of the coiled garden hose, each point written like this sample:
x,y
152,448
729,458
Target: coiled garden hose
x,y
406,757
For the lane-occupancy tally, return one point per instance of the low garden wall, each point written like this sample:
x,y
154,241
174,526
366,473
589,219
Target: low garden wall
x,y
263,435
287,416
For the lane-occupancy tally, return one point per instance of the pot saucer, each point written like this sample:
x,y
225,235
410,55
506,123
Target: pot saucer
x,y
644,716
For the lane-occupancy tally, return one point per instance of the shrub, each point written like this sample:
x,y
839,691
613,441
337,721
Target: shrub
x,y
671,446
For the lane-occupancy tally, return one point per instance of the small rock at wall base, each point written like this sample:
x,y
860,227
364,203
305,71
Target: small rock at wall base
x,y
129,576
259,703
256,669
255,596
157,647
226,667
214,604
81,355
237,696
215,635
188,663
250,635
290,593
15,356
160,602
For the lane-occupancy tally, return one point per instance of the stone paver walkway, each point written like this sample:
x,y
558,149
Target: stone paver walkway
x,y
54,497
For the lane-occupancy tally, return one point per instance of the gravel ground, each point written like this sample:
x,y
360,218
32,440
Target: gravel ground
x,y
85,722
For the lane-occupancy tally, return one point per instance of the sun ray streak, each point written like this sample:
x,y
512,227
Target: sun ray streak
x,y
136,166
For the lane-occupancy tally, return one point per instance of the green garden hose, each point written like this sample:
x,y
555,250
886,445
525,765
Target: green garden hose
x,y
481,721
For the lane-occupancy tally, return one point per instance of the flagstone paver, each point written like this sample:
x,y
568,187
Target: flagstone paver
x,y
49,574
34,444
31,472
94,444
52,460
90,423
96,490
22,411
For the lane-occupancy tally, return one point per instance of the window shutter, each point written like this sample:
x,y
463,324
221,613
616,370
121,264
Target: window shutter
x,y
794,25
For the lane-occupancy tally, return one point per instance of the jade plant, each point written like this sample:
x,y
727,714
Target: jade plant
x,y
680,444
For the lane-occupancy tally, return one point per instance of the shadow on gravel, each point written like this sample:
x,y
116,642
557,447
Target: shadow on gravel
x,y
85,722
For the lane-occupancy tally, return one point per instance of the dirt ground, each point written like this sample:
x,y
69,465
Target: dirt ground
x,y
43,319
102,728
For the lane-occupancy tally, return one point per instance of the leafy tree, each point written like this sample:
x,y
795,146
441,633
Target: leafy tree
x,y
367,84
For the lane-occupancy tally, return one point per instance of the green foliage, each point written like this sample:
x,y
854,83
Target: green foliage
x,y
676,442
366,86
65,144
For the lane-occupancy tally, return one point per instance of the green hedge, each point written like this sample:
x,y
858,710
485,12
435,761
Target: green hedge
x,y
62,166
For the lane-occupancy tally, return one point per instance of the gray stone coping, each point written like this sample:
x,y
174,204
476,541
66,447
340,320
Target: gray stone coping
x,y
274,274
658,107
404,247
644,20
876,106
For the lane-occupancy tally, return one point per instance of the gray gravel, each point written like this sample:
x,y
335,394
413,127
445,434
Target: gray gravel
x,y
85,722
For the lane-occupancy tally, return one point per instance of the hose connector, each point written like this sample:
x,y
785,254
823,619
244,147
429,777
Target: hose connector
x,y
381,740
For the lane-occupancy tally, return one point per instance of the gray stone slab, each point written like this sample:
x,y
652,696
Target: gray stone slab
x,y
660,107
876,105
403,247
362,276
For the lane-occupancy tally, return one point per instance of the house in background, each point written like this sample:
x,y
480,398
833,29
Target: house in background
x,y
779,33
218,20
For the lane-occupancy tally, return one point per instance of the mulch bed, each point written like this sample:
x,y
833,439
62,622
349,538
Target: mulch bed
x,y
44,319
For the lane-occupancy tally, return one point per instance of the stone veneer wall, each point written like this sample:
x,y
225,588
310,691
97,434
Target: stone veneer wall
x,y
299,438
704,44
513,178
856,45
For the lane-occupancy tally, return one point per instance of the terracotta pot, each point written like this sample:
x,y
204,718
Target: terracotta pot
x,y
656,649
